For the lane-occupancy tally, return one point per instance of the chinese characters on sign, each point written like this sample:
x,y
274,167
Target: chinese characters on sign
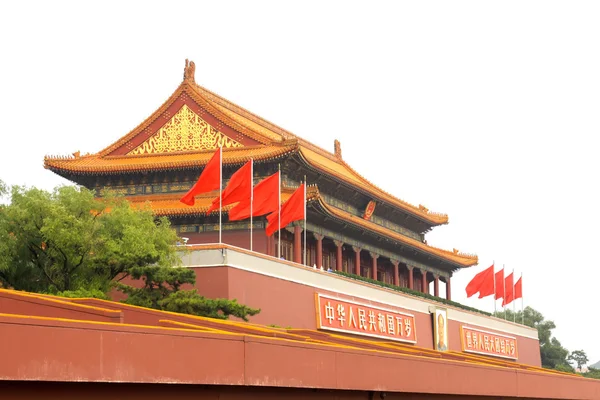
x,y
349,317
487,343
369,210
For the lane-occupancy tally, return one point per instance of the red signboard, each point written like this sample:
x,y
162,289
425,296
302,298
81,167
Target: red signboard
x,y
369,210
359,319
488,343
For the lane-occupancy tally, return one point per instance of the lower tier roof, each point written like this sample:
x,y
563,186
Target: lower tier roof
x,y
169,205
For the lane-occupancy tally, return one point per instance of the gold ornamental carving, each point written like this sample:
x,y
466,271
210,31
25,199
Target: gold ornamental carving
x,y
185,131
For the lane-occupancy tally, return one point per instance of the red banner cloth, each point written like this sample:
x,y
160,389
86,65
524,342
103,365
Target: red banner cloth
x,y
238,189
499,284
519,289
209,180
508,285
265,200
292,210
482,279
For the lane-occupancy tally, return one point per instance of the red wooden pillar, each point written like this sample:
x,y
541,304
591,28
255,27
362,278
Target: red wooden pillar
x,y
396,272
436,285
338,254
269,246
423,281
297,244
410,276
319,250
356,260
374,258
448,291
274,244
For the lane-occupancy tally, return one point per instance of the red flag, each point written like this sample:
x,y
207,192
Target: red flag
x,y
519,289
487,286
265,200
209,180
238,188
508,285
480,279
292,210
499,284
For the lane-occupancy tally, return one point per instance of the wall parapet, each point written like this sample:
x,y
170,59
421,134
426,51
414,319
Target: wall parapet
x,y
214,255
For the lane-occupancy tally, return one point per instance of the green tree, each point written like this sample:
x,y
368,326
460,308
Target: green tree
x,y
3,189
579,358
67,239
593,373
70,243
6,241
553,355
161,290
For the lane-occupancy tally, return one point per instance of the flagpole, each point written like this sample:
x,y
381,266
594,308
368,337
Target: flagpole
x,y
503,291
304,255
522,309
220,191
494,296
251,197
513,297
279,216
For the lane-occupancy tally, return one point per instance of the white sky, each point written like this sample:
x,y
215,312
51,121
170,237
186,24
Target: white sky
x,y
482,110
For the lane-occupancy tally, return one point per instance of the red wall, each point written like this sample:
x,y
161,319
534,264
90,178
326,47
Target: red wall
x,y
83,352
101,391
290,304
213,282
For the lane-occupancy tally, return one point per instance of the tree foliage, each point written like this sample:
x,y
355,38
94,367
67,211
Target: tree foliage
x,y
579,358
84,293
3,189
593,373
68,242
553,354
162,290
67,239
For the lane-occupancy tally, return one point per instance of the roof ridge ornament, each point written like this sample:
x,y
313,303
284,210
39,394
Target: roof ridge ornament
x,y
337,149
189,71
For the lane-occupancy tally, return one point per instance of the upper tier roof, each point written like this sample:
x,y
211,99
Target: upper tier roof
x,y
193,122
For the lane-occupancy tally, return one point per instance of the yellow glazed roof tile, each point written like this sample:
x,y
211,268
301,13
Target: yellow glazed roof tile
x,y
169,205
316,156
276,141
95,163
345,172
465,260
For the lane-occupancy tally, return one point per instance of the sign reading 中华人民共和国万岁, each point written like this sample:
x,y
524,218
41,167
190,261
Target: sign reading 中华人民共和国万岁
x,y
479,341
361,319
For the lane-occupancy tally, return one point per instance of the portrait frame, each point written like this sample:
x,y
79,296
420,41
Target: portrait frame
x,y
440,326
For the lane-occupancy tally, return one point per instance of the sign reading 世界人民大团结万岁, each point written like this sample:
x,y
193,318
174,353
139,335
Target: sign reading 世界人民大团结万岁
x,y
361,319
479,341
